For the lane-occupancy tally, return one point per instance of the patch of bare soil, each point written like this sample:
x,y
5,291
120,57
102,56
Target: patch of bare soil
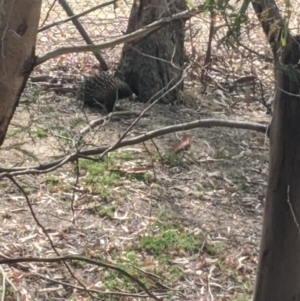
x,y
119,209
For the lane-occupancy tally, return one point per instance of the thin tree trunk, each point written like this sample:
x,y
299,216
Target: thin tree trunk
x,y
278,276
18,30
279,262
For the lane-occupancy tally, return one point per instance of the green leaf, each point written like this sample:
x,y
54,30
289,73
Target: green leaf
x,y
241,16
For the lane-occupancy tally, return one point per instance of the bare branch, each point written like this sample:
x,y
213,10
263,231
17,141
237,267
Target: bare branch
x,y
116,144
7,260
123,39
47,235
76,16
100,292
204,123
110,116
6,279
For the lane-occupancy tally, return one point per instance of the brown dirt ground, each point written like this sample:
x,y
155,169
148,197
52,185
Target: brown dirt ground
x,y
214,191
216,188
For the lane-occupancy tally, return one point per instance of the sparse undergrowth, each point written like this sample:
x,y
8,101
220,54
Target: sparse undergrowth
x,y
182,221
155,255
187,225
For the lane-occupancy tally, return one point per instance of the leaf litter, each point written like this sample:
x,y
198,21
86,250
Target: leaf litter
x,y
190,216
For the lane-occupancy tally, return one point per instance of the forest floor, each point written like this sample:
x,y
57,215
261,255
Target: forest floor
x,y
185,224
193,218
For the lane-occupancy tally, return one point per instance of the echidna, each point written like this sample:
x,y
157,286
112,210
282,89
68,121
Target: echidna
x,y
103,90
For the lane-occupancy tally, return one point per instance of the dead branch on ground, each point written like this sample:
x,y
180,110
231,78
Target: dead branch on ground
x,y
8,260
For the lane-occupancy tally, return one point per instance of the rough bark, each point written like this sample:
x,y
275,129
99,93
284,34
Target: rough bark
x,y
18,30
155,62
278,276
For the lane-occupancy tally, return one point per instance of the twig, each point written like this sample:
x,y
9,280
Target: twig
x,y
112,115
124,294
157,149
5,279
116,144
154,278
151,158
76,16
47,235
292,210
3,285
207,61
48,12
74,190
264,57
8,260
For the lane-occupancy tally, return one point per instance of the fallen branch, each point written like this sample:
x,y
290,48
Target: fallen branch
x,y
8,260
205,123
92,290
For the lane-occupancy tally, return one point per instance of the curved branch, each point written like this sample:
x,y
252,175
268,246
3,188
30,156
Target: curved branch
x,y
204,123
91,290
48,236
123,39
9,260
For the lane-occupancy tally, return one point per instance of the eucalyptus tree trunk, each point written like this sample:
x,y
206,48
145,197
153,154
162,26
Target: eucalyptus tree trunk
x,y
18,30
154,64
278,276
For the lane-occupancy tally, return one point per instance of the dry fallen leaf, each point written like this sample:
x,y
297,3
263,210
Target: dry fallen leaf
x,y
182,145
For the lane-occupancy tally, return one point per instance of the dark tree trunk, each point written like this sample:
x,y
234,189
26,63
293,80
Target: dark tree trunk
x,y
278,276
155,63
18,31
279,265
